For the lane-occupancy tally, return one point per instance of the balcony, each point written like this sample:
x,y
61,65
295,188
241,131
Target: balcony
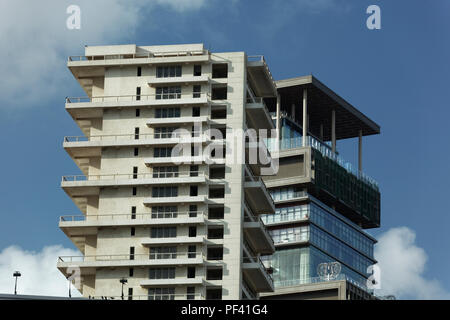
x,y
258,198
177,120
92,107
88,264
162,296
260,77
172,240
172,282
179,200
80,187
256,274
258,114
183,80
257,233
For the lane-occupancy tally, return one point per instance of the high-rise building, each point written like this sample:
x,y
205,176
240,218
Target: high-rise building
x,y
157,222
323,203
173,205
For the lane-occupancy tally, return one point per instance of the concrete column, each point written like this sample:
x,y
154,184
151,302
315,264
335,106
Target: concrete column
x,y
278,121
305,116
333,130
360,150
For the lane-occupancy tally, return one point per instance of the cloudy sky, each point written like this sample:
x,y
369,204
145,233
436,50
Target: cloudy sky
x,y
398,76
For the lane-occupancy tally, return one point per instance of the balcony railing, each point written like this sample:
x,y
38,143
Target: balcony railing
x,y
128,257
311,280
326,151
131,176
256,259
177,136
132,216
142,97
251,218
162,296
145,55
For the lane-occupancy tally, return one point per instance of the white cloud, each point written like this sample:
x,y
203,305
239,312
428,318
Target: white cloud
x,y
36,42
39,273
402,264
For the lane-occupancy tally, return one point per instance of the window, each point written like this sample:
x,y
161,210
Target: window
x,y
165,132
161,294
219,113
163,232
138,113
193,210
163,252
192,251
219,92
220,70
136,152
139,71
192,232
193,171
191,272
214,253
217,172
162,152
214,293
193,191
131,253
133,212
162,212
197,70
168,71
135,172
173,92
138,93
130,293
196,92
190,293
162,273
214,274
216,212
196,111
136,133
167,113
215,232
217,192
165,172
134,191
133,231
131,272
164,192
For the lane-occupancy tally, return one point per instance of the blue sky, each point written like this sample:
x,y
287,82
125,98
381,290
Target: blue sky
x,y
398,76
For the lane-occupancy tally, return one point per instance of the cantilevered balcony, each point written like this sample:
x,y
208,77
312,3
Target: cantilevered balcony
x,y
158,297
258,114
171,282
256,275
182,80
177,120
89,264
257,233
81,187
173,240
260,77
257,196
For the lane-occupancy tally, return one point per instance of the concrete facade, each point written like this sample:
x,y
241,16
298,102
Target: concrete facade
x,y
127,194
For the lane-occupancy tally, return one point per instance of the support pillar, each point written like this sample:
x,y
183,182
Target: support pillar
x,y
360,151
278,122
305,117
333,130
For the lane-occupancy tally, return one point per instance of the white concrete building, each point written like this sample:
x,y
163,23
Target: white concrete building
x,y
188,230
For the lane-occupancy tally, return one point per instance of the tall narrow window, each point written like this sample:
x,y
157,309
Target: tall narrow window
x,y
191,251
191,272
196,111
133,212
138,93
139,71
196,91
134,191
136,152
133,231
190,293
193,191
136,133
135,172
131,253
192,232
193,210
197,70
138,113
130,293
131,272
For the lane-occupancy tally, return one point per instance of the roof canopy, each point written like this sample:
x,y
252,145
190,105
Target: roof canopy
x,y
321,102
